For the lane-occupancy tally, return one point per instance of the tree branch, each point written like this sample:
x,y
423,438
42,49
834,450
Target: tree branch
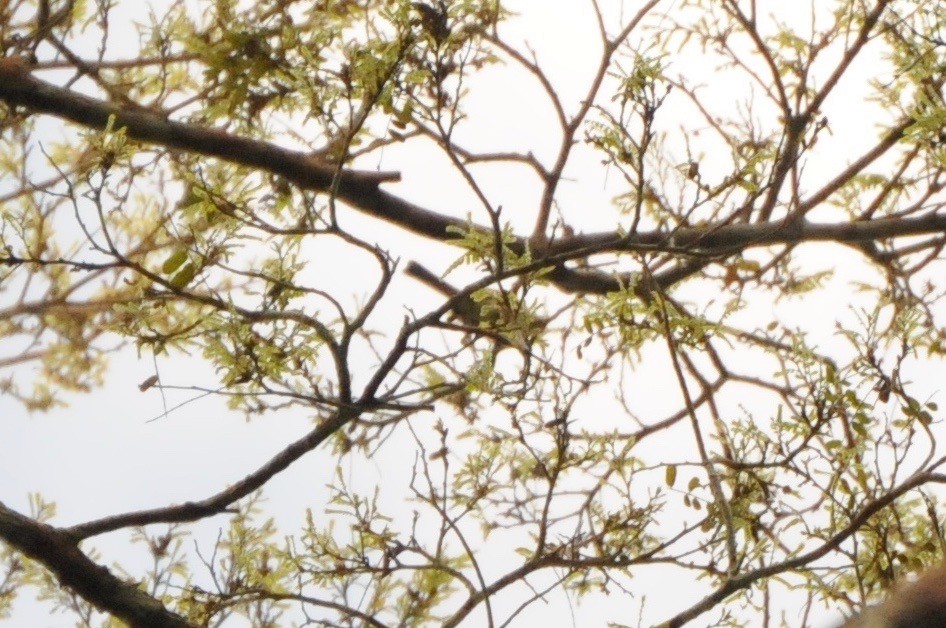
x,y
218,503
360,189
722,239
58,551
857,521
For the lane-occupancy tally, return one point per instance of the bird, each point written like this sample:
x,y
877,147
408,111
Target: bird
x,y
434,20
465,308
491,316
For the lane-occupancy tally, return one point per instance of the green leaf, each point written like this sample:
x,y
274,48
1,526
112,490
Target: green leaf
x,y
671,474
174,261
184,276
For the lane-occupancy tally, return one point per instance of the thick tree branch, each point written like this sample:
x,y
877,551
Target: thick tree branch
x,y
18,87
58,551
357,188
721,239
360,189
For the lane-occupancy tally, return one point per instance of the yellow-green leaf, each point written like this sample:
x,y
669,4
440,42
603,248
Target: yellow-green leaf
x,y
174,261
184,276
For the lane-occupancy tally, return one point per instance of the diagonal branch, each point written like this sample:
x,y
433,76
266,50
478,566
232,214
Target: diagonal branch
x,y
358,188
58,551
857,521
218,503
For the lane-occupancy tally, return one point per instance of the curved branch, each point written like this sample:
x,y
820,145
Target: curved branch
x,y
748,579
58,551
218,503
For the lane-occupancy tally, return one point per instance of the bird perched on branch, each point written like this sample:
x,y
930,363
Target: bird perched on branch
x,y
498,315
433,19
